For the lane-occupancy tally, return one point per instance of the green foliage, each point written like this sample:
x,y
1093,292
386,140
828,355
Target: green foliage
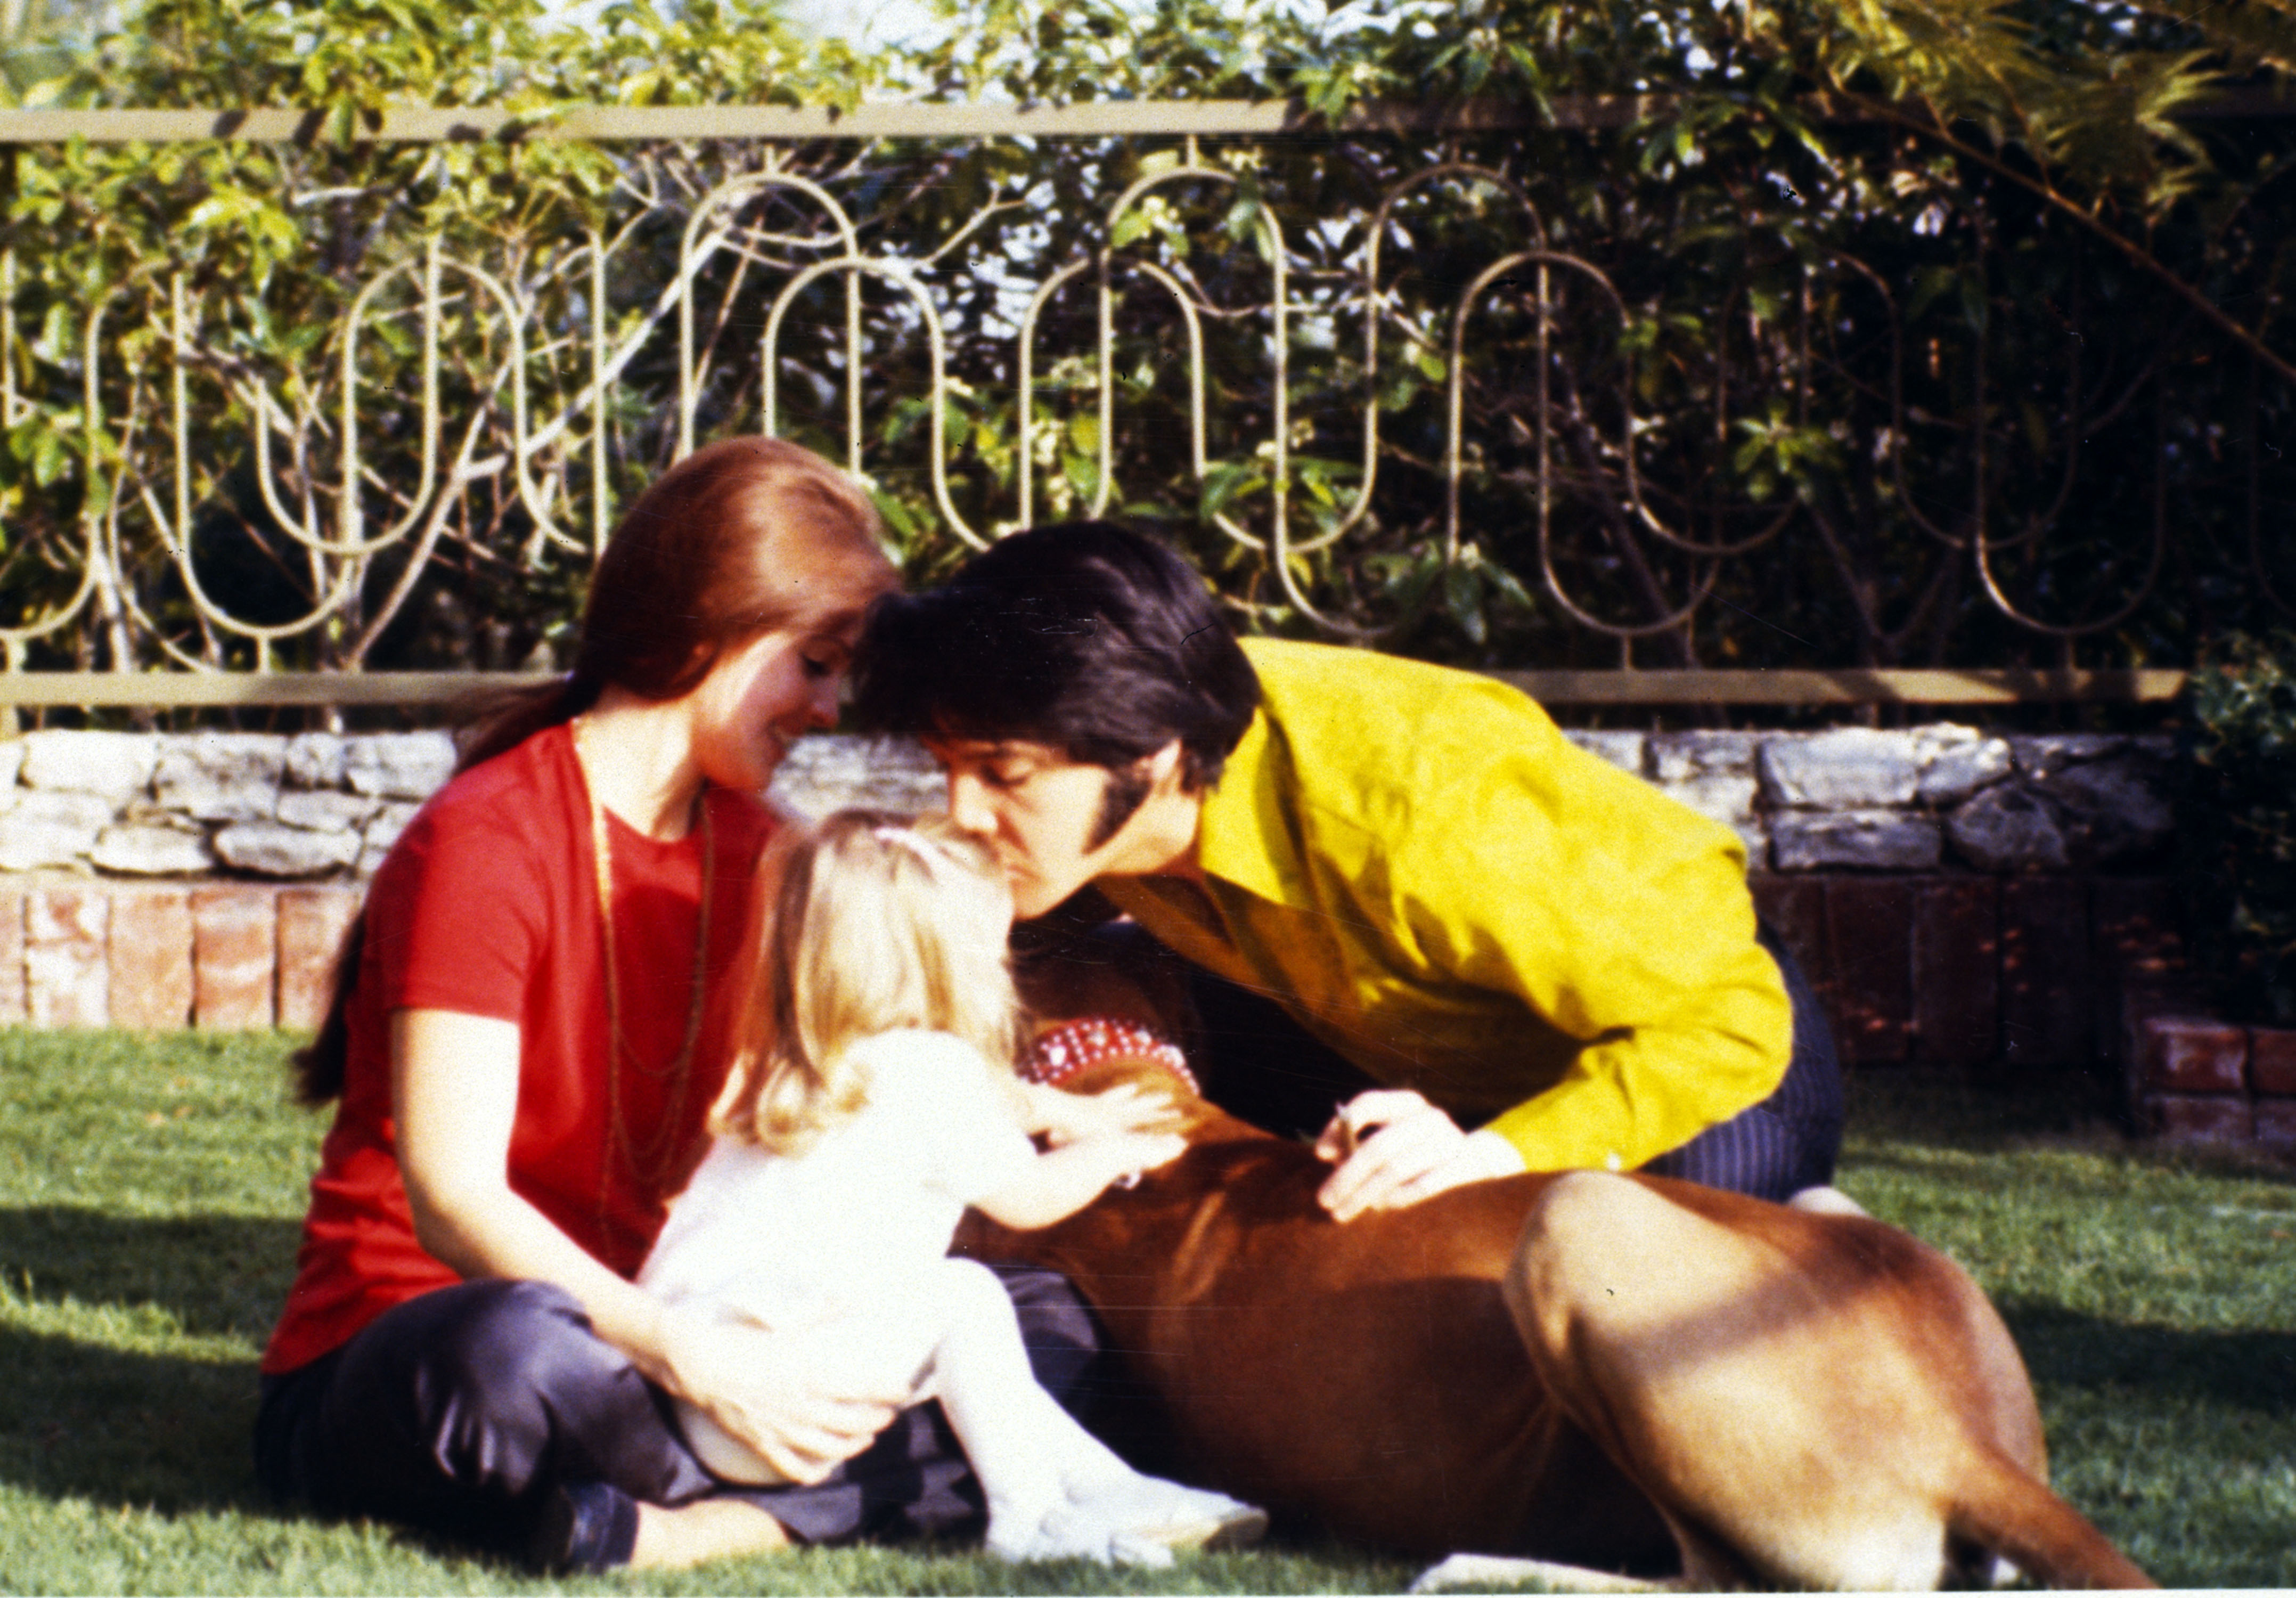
x,y
2240,835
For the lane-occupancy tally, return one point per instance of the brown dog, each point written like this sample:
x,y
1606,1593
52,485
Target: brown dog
x,y
1614,1371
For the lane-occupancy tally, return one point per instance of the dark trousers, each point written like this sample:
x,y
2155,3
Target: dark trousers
x,y
455,1412
1259,1064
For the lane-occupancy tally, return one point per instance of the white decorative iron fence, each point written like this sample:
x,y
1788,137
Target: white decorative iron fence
x,y
339,408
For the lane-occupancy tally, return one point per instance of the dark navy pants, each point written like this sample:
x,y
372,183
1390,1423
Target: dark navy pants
x,y
1257,1062
455,1412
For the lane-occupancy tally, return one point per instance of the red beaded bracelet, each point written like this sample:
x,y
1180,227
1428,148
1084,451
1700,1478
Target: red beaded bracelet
x,y
1060,1052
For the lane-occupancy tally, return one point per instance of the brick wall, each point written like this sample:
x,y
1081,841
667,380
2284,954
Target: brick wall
x,y
222,957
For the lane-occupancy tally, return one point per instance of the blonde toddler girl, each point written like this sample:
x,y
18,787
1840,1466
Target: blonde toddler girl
x,y
873,1102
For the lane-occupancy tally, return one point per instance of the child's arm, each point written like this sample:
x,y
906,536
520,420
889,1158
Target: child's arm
x,y
1066,1179
1073,1116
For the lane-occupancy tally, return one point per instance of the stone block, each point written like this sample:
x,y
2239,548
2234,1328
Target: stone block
x,y
219,776
1727,800
1956,970
2276,1124
314,760
1956,762
2009,827
269,850
1858,840
2113,810
829,772
388,822
312,922
11,956
2188,1054
118,766
2047,972
2045,754
67,972
1849,768
1869,925
12,766
322,811
407,765
234,949
1621,749
151,955
2272,1061
30,844
152,851
1680,756
2198,1117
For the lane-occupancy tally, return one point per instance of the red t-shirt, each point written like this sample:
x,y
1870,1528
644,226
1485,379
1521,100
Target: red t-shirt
x,y
489,905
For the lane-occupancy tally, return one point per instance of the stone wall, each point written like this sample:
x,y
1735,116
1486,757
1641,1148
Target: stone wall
x,y
1958,899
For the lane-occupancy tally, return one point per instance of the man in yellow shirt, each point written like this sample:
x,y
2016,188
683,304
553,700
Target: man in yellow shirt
x,y
1489,948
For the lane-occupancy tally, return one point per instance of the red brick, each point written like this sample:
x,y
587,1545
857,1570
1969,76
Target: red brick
x,y
66,978
2188,1054
2198,1117
2047,1015
2276,1124
1956,969
2272,1060
2139,925
1869,921
1794,908
311,925
150,954
234,944
11,956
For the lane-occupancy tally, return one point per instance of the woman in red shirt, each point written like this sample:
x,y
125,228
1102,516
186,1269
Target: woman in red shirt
x,y
522,1050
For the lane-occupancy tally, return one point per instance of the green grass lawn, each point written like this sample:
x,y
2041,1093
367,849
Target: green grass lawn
x,y
149,1192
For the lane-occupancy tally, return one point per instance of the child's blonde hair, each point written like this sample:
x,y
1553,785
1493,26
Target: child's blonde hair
x,y
869,922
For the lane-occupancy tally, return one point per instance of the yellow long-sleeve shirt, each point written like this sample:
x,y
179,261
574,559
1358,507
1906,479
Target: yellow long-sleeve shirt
x,y
1441,887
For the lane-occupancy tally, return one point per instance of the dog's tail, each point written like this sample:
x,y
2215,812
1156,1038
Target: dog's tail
x,y
2008,1513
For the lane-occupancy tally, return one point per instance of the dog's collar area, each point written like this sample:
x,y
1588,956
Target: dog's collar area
x,y
1062,1051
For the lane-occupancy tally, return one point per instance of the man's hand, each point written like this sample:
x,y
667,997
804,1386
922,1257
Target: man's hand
x,y
755,1385
1418,1152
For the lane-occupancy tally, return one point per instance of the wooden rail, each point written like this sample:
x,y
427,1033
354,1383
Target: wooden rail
x,y
911,120
29,689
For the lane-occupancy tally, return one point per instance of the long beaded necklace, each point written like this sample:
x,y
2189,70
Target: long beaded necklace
x,y
650,1159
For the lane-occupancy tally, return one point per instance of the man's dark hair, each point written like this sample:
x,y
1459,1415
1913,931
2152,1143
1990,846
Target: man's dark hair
x,y
1083,635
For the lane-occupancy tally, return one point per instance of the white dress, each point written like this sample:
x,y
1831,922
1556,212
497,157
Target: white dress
x,y
844,1244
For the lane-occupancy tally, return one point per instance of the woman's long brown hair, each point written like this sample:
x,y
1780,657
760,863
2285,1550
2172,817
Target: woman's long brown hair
x,y
742,537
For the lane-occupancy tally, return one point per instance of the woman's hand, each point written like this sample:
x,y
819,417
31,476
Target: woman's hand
x,y
1418,1152
749,1379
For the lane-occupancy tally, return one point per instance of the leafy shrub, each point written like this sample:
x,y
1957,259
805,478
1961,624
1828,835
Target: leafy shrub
x,y
2240,832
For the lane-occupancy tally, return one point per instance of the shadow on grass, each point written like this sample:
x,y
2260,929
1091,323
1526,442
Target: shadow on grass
x,y
212,1274
2246,1369
122,1427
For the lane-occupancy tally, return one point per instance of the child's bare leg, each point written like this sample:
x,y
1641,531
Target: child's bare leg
x,y
1027,1452
671,1539
1054,1489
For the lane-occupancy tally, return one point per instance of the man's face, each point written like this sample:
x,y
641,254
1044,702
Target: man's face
x,y
1036,810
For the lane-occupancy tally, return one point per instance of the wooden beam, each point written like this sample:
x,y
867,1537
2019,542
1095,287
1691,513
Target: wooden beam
x,y
1878,687
917,119
207,690
186,690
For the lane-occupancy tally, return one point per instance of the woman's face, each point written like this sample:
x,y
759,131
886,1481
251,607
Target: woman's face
x,y
763,695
